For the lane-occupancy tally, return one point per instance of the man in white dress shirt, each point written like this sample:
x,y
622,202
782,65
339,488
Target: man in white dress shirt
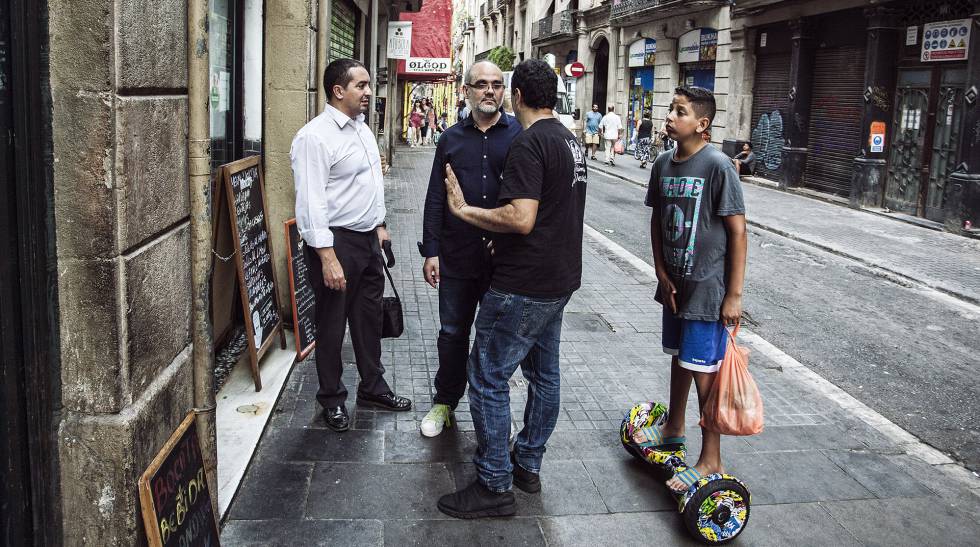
x,y
340,212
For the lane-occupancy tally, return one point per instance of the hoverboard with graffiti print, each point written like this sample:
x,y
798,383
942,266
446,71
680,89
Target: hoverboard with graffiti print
x,y
715,509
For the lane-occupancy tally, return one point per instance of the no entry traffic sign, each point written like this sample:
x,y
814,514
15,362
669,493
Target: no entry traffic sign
x,y
575,70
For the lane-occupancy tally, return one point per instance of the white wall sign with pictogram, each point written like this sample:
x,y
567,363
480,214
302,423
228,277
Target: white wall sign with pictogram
x,y
399,39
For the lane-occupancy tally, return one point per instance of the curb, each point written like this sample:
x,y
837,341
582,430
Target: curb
x,y
892,275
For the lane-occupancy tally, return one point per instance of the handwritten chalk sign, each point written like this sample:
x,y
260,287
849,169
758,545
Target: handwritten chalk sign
x,y
174,495
245,196
301,292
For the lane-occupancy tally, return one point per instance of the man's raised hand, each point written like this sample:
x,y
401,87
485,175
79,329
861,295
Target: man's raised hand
x,y
454,194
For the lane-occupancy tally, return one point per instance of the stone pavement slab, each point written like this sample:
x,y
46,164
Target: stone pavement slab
x,y
940,260
815,467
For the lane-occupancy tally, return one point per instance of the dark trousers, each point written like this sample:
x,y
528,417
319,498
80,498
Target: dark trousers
x,y
458,299
360,306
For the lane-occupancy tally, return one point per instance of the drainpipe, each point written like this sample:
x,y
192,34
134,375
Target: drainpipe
x,y
322,52
373,61
199,174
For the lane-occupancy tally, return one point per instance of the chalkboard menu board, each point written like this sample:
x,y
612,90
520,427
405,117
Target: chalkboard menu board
x,y
174,495
301,292
245,196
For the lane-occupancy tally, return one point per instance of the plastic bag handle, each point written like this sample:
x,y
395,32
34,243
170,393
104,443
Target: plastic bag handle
x,y
734,332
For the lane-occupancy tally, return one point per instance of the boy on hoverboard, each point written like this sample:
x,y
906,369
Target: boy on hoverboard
x,y
699,246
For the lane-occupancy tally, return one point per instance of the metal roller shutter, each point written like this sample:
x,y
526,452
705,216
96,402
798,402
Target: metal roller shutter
x,y
770,98
836,111
342,30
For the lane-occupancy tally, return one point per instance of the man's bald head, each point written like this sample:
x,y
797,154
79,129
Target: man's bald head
x,y
483,67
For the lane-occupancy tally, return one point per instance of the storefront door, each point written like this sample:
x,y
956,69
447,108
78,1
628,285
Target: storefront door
x,y
926,128
641,100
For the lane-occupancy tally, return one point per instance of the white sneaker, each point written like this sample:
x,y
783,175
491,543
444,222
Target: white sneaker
x,y
439,417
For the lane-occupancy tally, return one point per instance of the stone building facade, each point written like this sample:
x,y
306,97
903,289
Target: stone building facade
x,y
96,289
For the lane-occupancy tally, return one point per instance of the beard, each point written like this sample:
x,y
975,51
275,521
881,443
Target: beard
x,y
484,108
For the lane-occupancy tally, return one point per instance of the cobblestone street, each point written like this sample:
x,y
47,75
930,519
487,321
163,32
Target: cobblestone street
x,y
827,470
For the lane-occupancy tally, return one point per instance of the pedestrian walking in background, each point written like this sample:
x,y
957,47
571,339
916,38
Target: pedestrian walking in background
x,y
537,265
430,121
592,120
340,212
457,259
611,129
414,126
745,160
461,111
424,126
644,138
699,248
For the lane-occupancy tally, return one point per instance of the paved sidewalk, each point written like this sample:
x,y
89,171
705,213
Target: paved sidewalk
x,y
825,471
942,261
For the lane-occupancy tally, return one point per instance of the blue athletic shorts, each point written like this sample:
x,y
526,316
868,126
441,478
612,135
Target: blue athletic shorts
x,y
698,345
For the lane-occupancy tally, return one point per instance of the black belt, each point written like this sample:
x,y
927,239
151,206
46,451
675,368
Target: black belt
x,y
349,231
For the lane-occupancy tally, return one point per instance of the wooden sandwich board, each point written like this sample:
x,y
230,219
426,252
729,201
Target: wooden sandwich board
x,y
300,292
174,495
244,196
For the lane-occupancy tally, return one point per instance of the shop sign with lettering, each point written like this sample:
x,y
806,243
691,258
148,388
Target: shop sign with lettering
x,y
427,65
643,53
946,40
700,44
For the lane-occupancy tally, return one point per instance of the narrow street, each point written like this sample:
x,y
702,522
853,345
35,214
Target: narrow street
x,y
826,465
905,350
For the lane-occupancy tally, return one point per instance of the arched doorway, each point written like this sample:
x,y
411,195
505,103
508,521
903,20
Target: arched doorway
x,y
600,74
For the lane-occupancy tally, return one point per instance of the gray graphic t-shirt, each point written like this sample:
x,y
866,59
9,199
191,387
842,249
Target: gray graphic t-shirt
x,y
690,198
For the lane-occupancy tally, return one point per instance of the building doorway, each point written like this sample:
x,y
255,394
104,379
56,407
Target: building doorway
x,y
28,277
600,75
926,127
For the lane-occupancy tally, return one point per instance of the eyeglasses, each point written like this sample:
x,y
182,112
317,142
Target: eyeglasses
x,y
484,86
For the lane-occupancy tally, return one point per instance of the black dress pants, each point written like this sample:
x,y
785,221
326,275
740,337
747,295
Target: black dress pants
x,y
359,254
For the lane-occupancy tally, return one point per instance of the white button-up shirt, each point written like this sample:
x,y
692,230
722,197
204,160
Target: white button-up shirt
x,y
337,172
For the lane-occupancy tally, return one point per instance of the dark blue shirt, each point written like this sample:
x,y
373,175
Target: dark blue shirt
x,y
477,158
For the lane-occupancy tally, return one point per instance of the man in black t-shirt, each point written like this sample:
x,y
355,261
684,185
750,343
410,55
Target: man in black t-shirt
x,y
537,264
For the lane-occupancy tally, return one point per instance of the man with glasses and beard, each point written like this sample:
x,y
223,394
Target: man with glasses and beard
x,y
457,259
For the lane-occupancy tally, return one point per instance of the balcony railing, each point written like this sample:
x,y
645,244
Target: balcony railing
x,y
558,25
494,6
631,10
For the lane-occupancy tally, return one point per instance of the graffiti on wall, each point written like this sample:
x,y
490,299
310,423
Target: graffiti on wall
x,y
768,140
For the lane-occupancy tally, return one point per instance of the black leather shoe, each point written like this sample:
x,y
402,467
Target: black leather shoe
x,y
524,479
336,418
388,401
476,501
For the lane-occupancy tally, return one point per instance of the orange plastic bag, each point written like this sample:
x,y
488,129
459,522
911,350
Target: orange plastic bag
x,y
734,405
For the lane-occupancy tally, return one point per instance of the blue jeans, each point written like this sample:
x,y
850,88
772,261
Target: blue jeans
x,y
514,330
457,308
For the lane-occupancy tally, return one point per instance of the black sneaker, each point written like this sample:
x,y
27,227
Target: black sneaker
x,y
476,501
524,479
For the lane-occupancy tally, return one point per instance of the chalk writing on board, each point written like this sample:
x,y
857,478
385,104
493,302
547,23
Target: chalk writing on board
x,y
302,295
255,254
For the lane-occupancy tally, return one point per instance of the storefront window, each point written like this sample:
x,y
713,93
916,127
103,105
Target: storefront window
x,y
235,41
642,58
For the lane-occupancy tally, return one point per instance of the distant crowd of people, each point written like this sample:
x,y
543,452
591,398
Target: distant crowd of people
x,y
424,127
